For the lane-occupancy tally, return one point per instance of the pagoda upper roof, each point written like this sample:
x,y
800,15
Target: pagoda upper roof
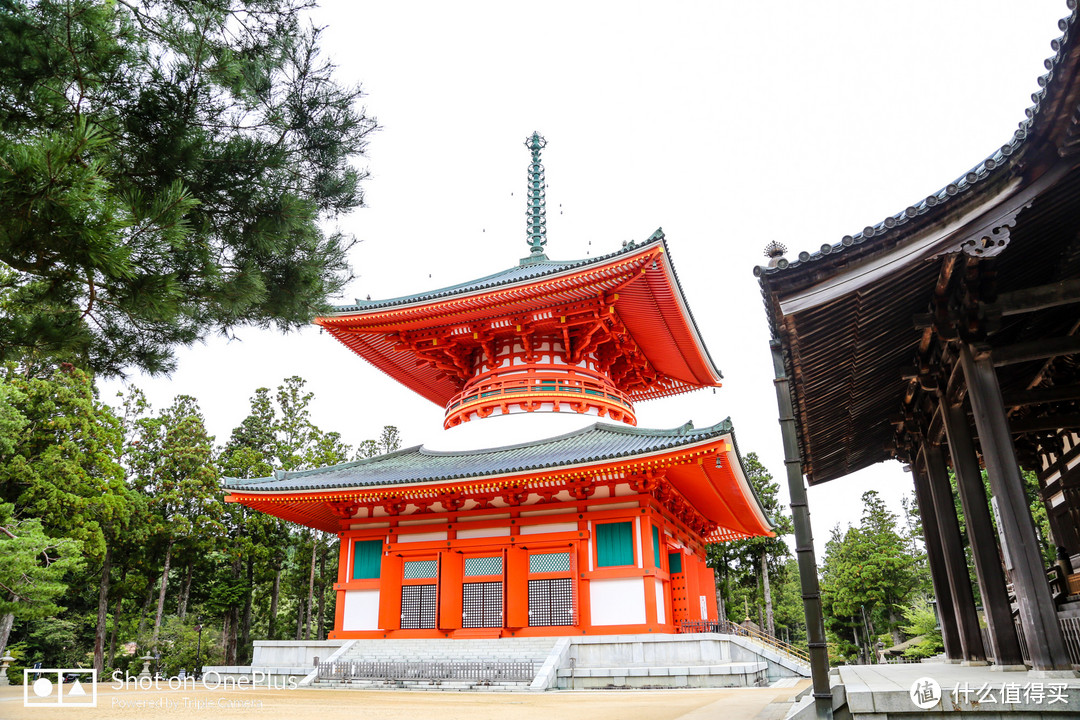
x,y
530,269
639,278
718,490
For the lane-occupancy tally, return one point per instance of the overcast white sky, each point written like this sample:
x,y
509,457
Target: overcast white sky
x,y
729,124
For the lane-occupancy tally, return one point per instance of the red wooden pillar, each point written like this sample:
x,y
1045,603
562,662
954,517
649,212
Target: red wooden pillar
x,y
344,553
390,592
581,585
649,564
451,574
517,587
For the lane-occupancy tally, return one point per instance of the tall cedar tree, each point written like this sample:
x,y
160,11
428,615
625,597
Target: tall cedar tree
x,y
59,465
165,170
173,469
869,575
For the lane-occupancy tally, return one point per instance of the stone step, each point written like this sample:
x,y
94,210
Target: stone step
x,y
445,686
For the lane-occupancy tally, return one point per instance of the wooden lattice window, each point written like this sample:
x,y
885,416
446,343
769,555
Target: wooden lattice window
x,y
419,604
482,605
551,602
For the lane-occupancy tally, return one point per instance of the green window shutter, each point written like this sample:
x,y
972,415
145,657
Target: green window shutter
x,y
367,559
674,562
656,545
614,544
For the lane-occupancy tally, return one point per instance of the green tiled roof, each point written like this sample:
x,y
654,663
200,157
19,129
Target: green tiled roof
x,y
596,443
529,269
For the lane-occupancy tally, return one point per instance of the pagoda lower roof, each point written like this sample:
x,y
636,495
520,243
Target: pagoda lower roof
x,y
638,281
599,442
718,488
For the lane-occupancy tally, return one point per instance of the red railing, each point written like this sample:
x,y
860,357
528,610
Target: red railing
x,y
571,385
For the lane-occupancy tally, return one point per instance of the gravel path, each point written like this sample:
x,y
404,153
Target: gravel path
x,y
307,704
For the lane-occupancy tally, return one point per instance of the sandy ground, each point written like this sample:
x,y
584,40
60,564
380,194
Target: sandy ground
x,y
308,704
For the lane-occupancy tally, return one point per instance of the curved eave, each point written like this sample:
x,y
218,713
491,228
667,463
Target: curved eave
x,y
1049,126
719,491
650,304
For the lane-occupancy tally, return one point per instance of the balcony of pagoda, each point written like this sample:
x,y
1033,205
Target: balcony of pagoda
x,y
540,388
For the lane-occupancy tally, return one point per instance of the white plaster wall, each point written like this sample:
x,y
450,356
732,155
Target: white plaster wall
x,y
466,533
547,528
422,537
361,610
620,601
661,616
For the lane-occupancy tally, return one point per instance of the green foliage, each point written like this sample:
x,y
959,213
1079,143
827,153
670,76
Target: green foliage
x,y
62,467
165,169
179,646
173,468
868,575
922,624
32,567
77,479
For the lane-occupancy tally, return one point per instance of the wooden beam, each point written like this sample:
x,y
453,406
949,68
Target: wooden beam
x,y
1035,350
1042,396
1067,421
1037,298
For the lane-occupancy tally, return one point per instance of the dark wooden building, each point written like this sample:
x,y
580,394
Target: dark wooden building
x,y
946,336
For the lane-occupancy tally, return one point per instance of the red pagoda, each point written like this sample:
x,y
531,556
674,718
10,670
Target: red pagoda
x,y
599,530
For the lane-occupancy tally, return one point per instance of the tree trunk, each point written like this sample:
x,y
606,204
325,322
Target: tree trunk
x,y
245,625
233,614
185,593
146,608
311,589
161,597
769,626
271,630
230,636
721,611
225,622
320,633
115,625
300,619
102,612
894,626
6,621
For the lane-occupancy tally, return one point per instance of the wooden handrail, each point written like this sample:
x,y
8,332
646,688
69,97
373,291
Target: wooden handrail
x,y
730,628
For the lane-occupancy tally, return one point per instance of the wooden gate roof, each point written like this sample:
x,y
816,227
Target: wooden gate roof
x,y
848,314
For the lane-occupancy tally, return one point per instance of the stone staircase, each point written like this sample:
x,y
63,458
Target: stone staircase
x,y
437,664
